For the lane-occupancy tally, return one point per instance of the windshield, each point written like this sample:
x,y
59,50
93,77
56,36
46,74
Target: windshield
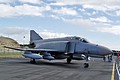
x,y
84,40
79,38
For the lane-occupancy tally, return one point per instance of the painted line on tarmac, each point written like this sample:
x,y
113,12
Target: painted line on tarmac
x,y
113,71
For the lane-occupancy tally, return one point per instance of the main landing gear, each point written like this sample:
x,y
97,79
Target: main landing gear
x,y
33,61
86,64
69,60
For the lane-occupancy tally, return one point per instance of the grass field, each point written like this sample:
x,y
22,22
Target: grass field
x,y
10,54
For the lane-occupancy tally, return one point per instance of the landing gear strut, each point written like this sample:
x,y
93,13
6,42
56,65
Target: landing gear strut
x,y
33,61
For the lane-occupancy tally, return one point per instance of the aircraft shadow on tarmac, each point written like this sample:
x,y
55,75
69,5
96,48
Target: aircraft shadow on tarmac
x,y
40,63
56,64
59,64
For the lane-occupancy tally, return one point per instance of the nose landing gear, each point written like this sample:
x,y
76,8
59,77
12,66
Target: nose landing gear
x,y
86,65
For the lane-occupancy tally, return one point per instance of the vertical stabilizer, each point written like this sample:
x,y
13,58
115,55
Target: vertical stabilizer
x,y
34,36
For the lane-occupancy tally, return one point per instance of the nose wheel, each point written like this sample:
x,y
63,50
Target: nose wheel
x,y
86,65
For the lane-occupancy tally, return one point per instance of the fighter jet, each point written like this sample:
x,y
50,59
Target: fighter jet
x,y
69,48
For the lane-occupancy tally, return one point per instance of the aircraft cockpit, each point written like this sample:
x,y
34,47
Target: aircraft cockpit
x,y
79,38
84,40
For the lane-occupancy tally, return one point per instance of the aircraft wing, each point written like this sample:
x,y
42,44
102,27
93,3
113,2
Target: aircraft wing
x,y
32,49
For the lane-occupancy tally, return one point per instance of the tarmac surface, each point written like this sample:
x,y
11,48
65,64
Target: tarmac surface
x,y
21,69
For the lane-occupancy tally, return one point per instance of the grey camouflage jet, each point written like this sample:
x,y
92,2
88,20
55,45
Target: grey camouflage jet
x,y
69,48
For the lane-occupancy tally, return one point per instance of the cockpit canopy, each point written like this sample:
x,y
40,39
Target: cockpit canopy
x,y
84,40
79,38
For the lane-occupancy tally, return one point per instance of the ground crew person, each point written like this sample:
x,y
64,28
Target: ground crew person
x,y
118,56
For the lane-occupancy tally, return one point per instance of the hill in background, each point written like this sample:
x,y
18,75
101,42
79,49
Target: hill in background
x,y
9,53
5,41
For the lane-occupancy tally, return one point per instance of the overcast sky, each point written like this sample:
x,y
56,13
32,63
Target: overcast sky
x,y
96,20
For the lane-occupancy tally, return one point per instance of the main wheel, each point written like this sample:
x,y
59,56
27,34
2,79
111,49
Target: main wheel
x,y
69,60
86,65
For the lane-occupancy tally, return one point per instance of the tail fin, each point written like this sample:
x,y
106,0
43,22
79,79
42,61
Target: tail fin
x,y
34,36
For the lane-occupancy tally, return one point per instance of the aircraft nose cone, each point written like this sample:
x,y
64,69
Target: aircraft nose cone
x,y
105,51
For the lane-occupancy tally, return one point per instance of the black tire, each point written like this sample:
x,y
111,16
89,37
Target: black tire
x,y
86,65
69,60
